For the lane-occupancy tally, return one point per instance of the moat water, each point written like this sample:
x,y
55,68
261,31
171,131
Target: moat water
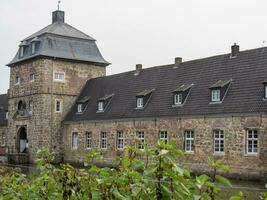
x,y
251,189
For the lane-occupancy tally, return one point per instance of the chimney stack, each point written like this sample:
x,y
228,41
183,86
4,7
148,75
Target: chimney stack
x,y
178,60
138,69
58,16
234,50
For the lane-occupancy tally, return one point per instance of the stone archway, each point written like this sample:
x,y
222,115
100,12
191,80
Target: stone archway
x,y
22,140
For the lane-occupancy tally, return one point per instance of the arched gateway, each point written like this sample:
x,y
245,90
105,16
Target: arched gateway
x,y
22,140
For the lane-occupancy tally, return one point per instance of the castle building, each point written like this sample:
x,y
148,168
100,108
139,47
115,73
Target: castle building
x,y
60,97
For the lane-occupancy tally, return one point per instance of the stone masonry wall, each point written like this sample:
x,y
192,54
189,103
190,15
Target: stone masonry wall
x,y
44,124
3,135
234,128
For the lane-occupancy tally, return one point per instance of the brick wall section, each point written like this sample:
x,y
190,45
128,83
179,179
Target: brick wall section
x,y
44,125
234,129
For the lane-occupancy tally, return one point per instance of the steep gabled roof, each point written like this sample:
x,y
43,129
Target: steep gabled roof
x,y
3,108
245,94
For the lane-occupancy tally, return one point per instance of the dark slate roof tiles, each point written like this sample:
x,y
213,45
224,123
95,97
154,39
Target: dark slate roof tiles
x,y
245,94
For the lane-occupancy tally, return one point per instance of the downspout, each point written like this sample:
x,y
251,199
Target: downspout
x,y
51,101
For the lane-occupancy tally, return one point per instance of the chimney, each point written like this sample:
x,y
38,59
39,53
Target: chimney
x,y
178,60
234,50
138,69
58,16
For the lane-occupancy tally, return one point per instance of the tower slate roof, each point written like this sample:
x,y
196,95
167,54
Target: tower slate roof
x,y
3,108
61,40
247,71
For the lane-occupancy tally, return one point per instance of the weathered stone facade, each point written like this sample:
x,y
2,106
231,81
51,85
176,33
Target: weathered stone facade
x,y
3,135
43,125
234,127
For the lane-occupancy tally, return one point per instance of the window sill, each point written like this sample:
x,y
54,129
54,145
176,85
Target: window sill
x,y
189,152
100,111
139,108
215,102
219,154
251,155
177,105
264,99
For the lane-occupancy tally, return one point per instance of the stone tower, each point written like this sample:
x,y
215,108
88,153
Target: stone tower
x,y
46,75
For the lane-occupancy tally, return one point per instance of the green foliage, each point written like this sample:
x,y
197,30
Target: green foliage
x,y
158,175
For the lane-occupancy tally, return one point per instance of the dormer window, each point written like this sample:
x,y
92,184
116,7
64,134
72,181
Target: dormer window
x,y
218,90
265,89
215,95
140,102
22,48
100,106
178,99
103,102
181,93
21,51
142,98
34,45
82,103
80,108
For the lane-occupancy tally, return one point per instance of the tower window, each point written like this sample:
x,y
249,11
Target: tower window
x,y
215,95
30,107
17,80
59,76
58,106
140,102
32,77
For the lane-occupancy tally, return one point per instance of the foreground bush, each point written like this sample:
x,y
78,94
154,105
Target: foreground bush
x,y
157,176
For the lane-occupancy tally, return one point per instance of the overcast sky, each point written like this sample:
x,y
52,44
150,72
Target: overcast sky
x,y
151,32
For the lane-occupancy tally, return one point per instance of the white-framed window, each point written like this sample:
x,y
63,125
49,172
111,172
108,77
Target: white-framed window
x,y
141,140
189,145
163,135
58,106
59,76
17,80
32,77
178,99
74,143
103,140
218,137
140,102
88,140
33,47
100,106
80,108
30,107
215,95
252,141
21,51
120,140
